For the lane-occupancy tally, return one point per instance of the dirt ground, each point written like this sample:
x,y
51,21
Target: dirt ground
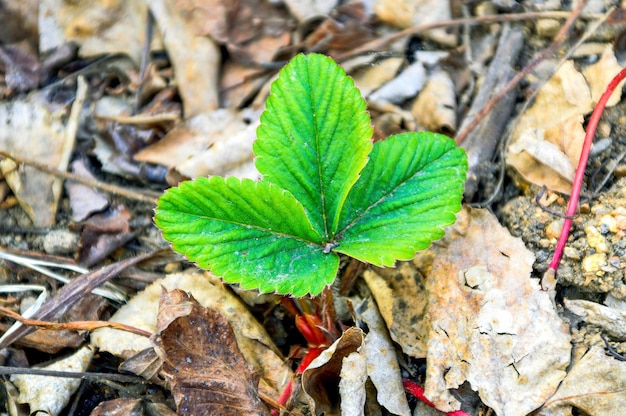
x,y
102,109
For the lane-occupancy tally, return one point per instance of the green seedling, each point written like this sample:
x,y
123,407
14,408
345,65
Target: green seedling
x,y
326,190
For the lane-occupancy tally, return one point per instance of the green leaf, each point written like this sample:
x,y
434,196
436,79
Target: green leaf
x,y
411,188
252,233
314,137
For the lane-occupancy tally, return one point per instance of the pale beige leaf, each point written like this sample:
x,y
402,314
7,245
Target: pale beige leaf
x,y
141,312
611,320
595,385
352,384
382,364
402,300
196,59
491,324
435,106
50,395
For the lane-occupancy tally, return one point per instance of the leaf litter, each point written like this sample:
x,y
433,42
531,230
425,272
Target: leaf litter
x,y
483,360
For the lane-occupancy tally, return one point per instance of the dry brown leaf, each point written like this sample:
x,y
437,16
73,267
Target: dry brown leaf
x,y
99,26
212,143
36,119
435,106
371,77
402,300
320,380
407,13
546,143
253,340
208,374
595,385
196,59
491,324
84,200
307,9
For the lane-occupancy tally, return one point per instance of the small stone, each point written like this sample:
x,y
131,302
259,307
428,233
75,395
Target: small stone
x,y
571,253
610,223
173,267
594,262
595,239
548,28
60,242
553,230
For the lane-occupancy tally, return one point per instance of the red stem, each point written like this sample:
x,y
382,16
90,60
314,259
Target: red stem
x,y
416,390
582,164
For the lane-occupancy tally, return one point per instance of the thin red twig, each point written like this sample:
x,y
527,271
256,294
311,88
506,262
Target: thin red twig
x,y
582,164
417,391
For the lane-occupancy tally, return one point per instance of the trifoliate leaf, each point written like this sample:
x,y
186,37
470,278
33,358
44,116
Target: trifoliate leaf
x,y
410,189
314,137
247,232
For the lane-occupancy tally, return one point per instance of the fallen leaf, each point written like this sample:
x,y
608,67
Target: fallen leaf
x,y
320,381
253,340
50,395
595,385
195,59
352,378
402,300
435,106
546,143
382,363
208,374
84,200
611,320
491,324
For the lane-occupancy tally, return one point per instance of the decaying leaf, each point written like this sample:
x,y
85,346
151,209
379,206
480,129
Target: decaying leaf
x,y
101,27
141,312
207,372
492,325
595,385
195,59
611,320
320,380
435,106
352,380
382,364
84,200
50,395
546,143
212,143
402,300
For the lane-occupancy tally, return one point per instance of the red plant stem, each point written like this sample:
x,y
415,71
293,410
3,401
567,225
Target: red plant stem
x,y
416,390
580,170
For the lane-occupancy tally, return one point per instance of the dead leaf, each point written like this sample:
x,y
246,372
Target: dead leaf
x,y
196,59
84,200
100,26
546,143
491,324
435,106
382,364
141,312
611,320
207,372
320,380
402,300
595,385
407,13
352,380
307,9
38,192
50,395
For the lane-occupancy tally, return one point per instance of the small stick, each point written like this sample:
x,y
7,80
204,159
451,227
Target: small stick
x,y
149,197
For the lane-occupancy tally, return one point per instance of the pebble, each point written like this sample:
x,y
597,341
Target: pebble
x,y
596,240
553,230
610,223
548,28
60,242
594,262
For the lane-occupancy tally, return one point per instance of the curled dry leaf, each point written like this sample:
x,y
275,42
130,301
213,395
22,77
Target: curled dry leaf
x,y
141,312
207,372
491,324
546,143
320,380
595,385
382,364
